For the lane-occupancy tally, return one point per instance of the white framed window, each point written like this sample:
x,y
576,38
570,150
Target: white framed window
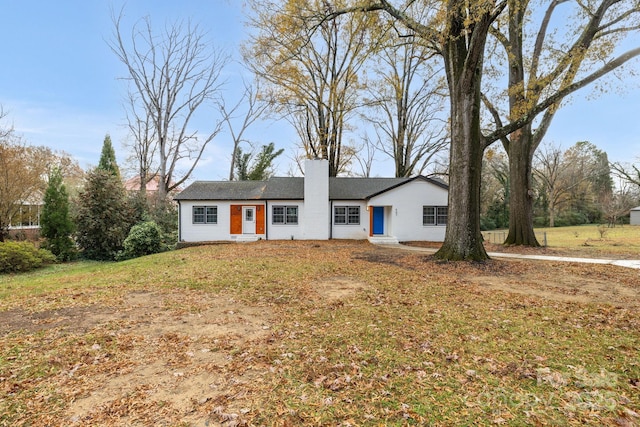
x,y
346,215
434,215
284,215
205,214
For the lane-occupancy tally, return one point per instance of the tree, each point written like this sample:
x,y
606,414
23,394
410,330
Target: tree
x,y
311,72
618,204
409,95
23,169
143,144
628,172
588,166
254,110
55,223
172,76
4,131
550,173
543,69
577,180
103,217
107,161
495,190
457,30
260,168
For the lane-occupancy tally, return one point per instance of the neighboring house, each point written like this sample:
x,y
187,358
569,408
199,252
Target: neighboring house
x,y
635,216
133,184
26,222
316,207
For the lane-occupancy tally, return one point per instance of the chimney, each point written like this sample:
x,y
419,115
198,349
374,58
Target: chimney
x,y
317,215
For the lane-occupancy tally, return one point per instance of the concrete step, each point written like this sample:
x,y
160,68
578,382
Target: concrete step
x,y
383,240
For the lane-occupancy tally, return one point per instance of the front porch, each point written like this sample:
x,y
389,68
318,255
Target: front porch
x,y
380,225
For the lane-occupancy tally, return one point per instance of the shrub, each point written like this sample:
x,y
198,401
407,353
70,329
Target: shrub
x,y
55,223
144,238
487,224
103,216
16,257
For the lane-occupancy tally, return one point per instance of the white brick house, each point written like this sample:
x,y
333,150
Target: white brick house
x,y
315,207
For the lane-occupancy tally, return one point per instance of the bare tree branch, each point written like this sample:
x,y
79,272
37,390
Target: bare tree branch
x,y
172,76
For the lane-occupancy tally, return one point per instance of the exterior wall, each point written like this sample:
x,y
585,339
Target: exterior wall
x,y
403,215
350,231
315,221
635,216
285,231
190,232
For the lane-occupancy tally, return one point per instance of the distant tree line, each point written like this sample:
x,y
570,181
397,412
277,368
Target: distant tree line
x,y
570,187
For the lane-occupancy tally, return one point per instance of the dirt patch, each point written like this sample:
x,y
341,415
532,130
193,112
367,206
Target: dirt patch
x,y
174,350
159,355
336,289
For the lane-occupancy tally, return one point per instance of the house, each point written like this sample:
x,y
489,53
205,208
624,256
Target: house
x,y
151,188
25,223
316,207
635,216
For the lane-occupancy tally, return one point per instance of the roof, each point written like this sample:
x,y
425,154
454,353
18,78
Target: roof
x,y
292,188
133,184
637,208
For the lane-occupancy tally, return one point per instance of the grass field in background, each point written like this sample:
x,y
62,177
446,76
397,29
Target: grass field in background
x,y
585,240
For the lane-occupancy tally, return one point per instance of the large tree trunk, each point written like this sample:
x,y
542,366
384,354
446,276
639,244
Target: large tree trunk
x,y
520,155
463,239
463,65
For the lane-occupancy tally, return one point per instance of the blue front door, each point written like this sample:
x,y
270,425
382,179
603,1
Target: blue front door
x,y
378,220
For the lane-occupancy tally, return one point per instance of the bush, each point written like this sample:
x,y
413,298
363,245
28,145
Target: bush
x,y
55,223
16,257
103,216
571,218
144,238
487,224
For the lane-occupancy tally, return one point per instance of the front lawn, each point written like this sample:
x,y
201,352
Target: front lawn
x,y
319,333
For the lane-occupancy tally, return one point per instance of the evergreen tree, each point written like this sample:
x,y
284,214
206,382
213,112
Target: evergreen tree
x,y
261,168
55,223
104,217
108,158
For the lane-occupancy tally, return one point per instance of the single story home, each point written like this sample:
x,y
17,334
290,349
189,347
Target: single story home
x,y
635,216
316,207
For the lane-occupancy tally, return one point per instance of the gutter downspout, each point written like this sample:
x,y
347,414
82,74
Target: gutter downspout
x,y
179,222
266,220
331,220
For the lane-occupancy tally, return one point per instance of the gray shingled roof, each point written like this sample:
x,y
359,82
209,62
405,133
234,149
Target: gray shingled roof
x,y
361,188
284,188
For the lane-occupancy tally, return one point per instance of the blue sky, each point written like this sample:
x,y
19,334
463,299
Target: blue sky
x,y
59,82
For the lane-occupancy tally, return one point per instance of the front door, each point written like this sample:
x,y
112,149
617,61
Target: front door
x,y
248,220
378,220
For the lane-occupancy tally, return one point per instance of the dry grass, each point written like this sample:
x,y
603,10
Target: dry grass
x,y
319,333
621,242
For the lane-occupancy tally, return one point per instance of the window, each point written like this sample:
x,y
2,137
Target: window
x,y
346,215
205,214
434,215
284,215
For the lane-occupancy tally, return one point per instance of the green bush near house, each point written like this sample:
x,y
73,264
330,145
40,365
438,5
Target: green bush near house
x,y
144,238
18,257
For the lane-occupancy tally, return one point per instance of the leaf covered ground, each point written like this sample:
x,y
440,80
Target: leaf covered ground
x,y
319,333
